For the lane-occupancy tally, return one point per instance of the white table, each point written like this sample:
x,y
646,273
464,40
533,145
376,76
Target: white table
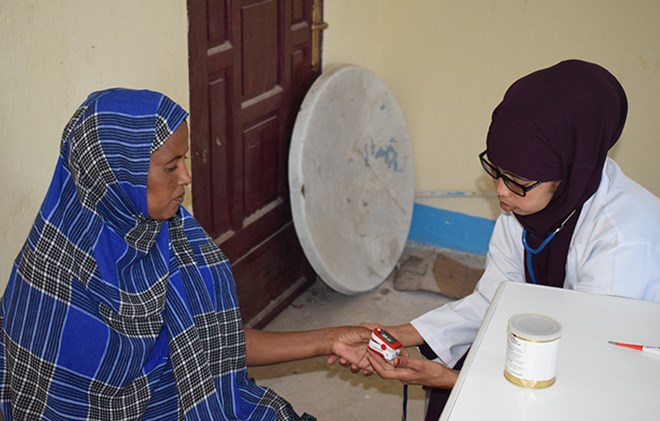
x,y
595,380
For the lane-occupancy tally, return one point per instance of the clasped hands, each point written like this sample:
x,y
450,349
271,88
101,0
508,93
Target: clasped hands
x,y
350,350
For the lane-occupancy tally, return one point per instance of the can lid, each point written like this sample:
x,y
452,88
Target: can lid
x,y
535,327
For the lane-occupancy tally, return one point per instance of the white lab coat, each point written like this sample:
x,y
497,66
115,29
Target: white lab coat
x,y
615,250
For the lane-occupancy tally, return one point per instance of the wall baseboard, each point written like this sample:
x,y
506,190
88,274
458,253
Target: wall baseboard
x,y
450,230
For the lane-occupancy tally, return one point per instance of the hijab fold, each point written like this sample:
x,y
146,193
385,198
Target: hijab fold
x,y
558,124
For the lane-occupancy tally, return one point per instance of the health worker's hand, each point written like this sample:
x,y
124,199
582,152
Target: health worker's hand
x,y
414,371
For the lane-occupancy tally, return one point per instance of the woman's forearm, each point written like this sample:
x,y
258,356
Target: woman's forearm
x,y
265,347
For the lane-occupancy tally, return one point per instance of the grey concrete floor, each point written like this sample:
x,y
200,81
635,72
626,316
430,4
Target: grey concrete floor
x,y
331,392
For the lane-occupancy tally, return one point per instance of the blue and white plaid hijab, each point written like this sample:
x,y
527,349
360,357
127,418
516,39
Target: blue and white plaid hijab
x,y
109,315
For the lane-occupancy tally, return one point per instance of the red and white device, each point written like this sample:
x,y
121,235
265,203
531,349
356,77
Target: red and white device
x,y
384,344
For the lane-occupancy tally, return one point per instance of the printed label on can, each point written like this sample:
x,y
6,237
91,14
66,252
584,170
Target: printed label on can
x,y
532,347
533,361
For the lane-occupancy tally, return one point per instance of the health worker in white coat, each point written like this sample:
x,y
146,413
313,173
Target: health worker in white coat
x,y
571,218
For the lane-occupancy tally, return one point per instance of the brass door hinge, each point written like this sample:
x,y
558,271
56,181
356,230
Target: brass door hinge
x,y
317,26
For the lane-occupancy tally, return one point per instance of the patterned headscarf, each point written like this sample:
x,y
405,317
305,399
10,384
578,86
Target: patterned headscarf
x,y
109,314
558,124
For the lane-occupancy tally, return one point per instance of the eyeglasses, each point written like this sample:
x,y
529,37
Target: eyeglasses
x,y
495,172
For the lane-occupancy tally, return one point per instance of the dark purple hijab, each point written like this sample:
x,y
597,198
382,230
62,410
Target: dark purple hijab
x,y
558,124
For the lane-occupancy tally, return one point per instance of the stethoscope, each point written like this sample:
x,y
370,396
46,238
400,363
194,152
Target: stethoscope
x,y
532,251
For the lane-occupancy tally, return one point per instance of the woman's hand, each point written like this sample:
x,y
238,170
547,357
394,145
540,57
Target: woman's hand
x,y
349,348
414,371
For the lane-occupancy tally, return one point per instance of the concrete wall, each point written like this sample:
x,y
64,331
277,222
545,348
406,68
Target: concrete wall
x,y
450,62
54,53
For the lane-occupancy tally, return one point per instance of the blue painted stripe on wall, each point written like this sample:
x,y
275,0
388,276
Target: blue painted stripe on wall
x,y
451,230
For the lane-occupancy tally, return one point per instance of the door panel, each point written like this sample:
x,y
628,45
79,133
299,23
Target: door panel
x,y
218,94
260,174
250,67
261,48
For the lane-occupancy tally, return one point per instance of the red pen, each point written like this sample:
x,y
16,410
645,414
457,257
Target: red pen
x,y
644,348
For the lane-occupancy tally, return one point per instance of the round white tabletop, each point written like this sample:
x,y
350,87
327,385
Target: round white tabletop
x,y
351,179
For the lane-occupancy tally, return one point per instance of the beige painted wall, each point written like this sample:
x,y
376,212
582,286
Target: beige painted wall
x,y
449,63
54,53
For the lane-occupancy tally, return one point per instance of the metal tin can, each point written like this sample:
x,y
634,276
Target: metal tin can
x,y
532,348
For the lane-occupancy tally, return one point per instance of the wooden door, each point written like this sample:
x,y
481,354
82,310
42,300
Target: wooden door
x,y
250,67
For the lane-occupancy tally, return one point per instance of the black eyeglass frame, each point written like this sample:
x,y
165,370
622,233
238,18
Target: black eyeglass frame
x,y
495,172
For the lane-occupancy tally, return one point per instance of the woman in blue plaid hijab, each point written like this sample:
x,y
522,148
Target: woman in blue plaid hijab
x,y
119,305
